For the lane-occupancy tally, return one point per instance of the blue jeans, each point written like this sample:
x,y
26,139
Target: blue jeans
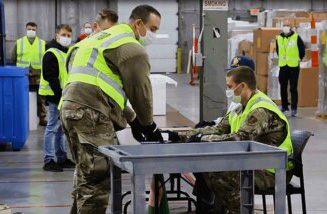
x,y
54,138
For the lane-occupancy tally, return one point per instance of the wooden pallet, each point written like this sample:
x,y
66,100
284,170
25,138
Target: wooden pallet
x,y
321,116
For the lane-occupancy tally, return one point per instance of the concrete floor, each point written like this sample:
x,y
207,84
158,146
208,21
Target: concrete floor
x,y
28,189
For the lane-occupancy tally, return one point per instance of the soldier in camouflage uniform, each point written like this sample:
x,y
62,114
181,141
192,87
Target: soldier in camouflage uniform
x,y
91,113
260,125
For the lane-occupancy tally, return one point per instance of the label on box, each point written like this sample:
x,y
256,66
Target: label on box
x,y
215,5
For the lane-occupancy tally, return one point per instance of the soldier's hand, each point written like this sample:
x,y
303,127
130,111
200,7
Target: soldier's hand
x,y
204,123
195,138
152,133
137,130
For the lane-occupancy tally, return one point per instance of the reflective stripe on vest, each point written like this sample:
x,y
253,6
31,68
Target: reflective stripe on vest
x,y
94,53
89,65
260,100
26,51
45,88
288,51
95,73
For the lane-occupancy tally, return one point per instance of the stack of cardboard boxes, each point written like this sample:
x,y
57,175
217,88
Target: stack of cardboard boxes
x,y
259,51
276,18
308,79
262,39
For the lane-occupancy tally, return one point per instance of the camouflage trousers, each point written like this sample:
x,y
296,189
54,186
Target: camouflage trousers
x,y
85,130
226,188
41,111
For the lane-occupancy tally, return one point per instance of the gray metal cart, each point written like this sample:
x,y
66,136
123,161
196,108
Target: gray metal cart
x,y
245,156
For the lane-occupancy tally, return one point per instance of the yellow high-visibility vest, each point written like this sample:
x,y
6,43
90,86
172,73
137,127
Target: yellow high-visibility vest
x,y
260,100
89,65
30,54
288,51
45,88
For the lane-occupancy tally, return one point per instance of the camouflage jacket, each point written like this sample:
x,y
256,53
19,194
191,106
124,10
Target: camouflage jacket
x,y
261,125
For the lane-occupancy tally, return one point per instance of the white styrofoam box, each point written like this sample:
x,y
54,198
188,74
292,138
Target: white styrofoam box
x,y
159,83
159,96
33,119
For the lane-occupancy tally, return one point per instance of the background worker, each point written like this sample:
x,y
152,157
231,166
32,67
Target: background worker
x,y
28,52
237,61
53,78
87,31
104,70
264,123
290,50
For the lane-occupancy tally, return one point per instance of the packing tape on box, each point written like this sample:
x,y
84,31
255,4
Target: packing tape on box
x,y
259,43
323,38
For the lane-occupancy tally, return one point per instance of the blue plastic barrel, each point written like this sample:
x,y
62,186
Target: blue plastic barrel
x,y
14,106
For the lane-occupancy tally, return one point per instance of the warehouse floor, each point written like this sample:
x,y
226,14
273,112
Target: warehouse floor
x,y
28,189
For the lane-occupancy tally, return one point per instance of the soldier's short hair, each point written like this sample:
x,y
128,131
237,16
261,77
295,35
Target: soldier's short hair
x,y
63,26
32,24
243,74
106,14
143,12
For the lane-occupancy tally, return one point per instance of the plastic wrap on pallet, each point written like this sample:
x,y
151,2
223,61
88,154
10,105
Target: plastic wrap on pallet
x,y
233,44
273,82
322,101
304,32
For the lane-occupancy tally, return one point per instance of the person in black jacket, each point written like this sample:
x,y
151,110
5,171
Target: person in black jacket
x,y
54,139
289,71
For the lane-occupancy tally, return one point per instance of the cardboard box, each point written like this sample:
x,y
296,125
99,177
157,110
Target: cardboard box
x,y
263,37
319,16
308,87
291,13
262,64
307,56
262,83
245,46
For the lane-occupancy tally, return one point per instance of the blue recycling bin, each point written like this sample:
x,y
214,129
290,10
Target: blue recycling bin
x,y
14,106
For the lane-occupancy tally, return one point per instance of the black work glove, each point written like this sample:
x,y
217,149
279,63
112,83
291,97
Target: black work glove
x,y
137,130
152,133
204,123
195,138
173,136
